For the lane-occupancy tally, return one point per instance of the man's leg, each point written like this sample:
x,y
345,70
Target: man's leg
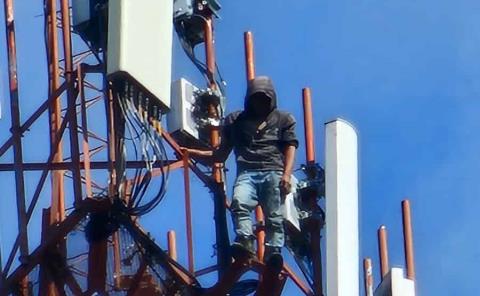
x,y
243,202
270,201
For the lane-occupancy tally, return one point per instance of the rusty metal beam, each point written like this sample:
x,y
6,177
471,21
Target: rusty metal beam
x,y
55,233
229,278
57,206
137,278
219,197
94,165
97,266
46,285
205,271
71,98
271,283
71,282
316,257
173,268
16,136
188,213
86,149
207,180
117,257
43,177
300,284
36,114
97,253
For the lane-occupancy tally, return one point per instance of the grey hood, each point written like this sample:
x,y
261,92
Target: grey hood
x,y
261,84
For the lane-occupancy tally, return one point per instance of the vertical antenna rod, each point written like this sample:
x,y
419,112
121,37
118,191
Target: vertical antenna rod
x,y
408,239
368,276
219,198
308,121
249,55
383,250
172,245
315,226
250,70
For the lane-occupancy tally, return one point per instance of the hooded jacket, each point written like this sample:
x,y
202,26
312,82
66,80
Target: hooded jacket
x,y
259,143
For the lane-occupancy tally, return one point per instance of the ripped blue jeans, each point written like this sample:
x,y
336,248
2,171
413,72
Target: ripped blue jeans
x,y
258,187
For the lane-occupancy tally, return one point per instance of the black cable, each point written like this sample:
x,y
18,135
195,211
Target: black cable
x,y
152,150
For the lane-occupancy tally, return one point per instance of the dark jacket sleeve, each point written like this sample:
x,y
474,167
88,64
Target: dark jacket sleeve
x,y
227,131
288,136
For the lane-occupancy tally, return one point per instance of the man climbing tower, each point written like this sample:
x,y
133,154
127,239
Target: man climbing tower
x,y
264,142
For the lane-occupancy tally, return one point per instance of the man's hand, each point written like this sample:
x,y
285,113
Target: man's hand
x,y
285,185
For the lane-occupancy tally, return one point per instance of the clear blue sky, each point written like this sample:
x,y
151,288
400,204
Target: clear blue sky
x,y
405,73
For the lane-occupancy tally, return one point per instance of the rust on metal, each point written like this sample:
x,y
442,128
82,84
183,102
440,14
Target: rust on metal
x,y
71,102
368,276
298,281
17,138
97,266
55,114
188,212
117,265
220,197
85,144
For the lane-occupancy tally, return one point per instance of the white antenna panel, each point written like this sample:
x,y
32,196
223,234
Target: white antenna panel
x,y
140,46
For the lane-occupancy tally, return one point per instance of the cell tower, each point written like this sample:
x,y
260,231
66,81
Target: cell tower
x,y
109,95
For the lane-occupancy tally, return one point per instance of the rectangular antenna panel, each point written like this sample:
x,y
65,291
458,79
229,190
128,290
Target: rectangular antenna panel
x,y
180,121
140,46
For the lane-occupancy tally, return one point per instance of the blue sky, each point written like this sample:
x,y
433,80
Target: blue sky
x,y
405,73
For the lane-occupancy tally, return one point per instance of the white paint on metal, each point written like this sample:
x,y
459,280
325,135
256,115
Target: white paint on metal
x,y
395,284
369,281
341,193
140,36
180,118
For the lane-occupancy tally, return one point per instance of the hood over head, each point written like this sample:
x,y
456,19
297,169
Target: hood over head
x,y
263,85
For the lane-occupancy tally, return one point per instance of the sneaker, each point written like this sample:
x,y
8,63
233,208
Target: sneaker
x,y
273,258
243,247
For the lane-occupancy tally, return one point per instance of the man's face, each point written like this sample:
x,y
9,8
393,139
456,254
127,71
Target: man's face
x,y
260,104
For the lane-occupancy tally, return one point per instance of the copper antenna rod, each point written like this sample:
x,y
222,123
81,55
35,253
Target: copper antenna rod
x,y
383,250
172,245
308,121
408,239
250,69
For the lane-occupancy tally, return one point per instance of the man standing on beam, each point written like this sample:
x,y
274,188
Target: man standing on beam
x,y
264,142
